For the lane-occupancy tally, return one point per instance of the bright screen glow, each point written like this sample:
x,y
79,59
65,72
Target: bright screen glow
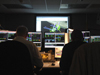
x,y
52,23
58,52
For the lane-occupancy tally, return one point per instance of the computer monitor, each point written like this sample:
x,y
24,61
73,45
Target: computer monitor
x,y
58,52
86,36
53,40
95,38
3,36
11,35
36,38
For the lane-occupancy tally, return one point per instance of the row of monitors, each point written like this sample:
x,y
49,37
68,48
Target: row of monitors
x,y
86,36
58,51
52,40
32,36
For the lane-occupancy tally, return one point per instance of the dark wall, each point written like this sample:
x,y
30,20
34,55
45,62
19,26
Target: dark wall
x,y
77,21
12,21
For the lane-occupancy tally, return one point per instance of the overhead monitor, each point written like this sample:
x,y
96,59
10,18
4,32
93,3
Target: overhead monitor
x,y
95,38
53,40
3,36
11,35
52,23
35,37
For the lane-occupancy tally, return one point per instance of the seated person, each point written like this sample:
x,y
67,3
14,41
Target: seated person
x,y
86,60
69,49
21,35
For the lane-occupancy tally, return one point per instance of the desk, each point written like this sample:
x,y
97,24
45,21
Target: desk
x,y
48,69
49,64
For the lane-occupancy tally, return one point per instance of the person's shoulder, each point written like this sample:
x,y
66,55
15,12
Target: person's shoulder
x,y
69,44
84,47
30,42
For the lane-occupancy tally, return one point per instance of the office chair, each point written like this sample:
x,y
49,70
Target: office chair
x,y
15,59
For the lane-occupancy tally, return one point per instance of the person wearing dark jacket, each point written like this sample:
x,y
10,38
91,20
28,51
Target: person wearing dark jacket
x,y
68,51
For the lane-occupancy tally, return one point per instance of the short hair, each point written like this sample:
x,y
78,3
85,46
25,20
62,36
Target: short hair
x,y
77,35
22,31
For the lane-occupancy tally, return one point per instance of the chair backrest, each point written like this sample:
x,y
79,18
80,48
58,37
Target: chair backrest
x,y
15,58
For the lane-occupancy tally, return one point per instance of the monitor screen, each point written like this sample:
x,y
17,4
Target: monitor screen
x,y
11,35
3,36
53,40
95,38
86,33
58,52
86,36
52,23
35,37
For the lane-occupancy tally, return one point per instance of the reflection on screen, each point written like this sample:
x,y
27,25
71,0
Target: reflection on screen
x,y
53,40
95,38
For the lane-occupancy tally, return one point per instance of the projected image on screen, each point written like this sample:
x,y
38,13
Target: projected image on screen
x,y
53,26
52,23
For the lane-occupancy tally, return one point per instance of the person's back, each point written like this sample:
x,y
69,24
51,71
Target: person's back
x,y
68,51
21,35
86,60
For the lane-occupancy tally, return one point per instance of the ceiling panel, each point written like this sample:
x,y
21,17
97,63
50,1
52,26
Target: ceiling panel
x,y
53,5
95,6
69,1
38,4
18,6
74,6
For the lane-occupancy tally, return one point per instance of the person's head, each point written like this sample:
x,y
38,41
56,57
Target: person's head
x,y
22,31
76,35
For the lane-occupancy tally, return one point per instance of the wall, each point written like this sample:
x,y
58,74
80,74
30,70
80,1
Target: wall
x,y
77,21
12,21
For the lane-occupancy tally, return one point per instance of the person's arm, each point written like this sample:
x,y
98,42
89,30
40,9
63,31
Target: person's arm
x,y
36,57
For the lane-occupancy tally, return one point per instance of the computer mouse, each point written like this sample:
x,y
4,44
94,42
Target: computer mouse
x,y
53,64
